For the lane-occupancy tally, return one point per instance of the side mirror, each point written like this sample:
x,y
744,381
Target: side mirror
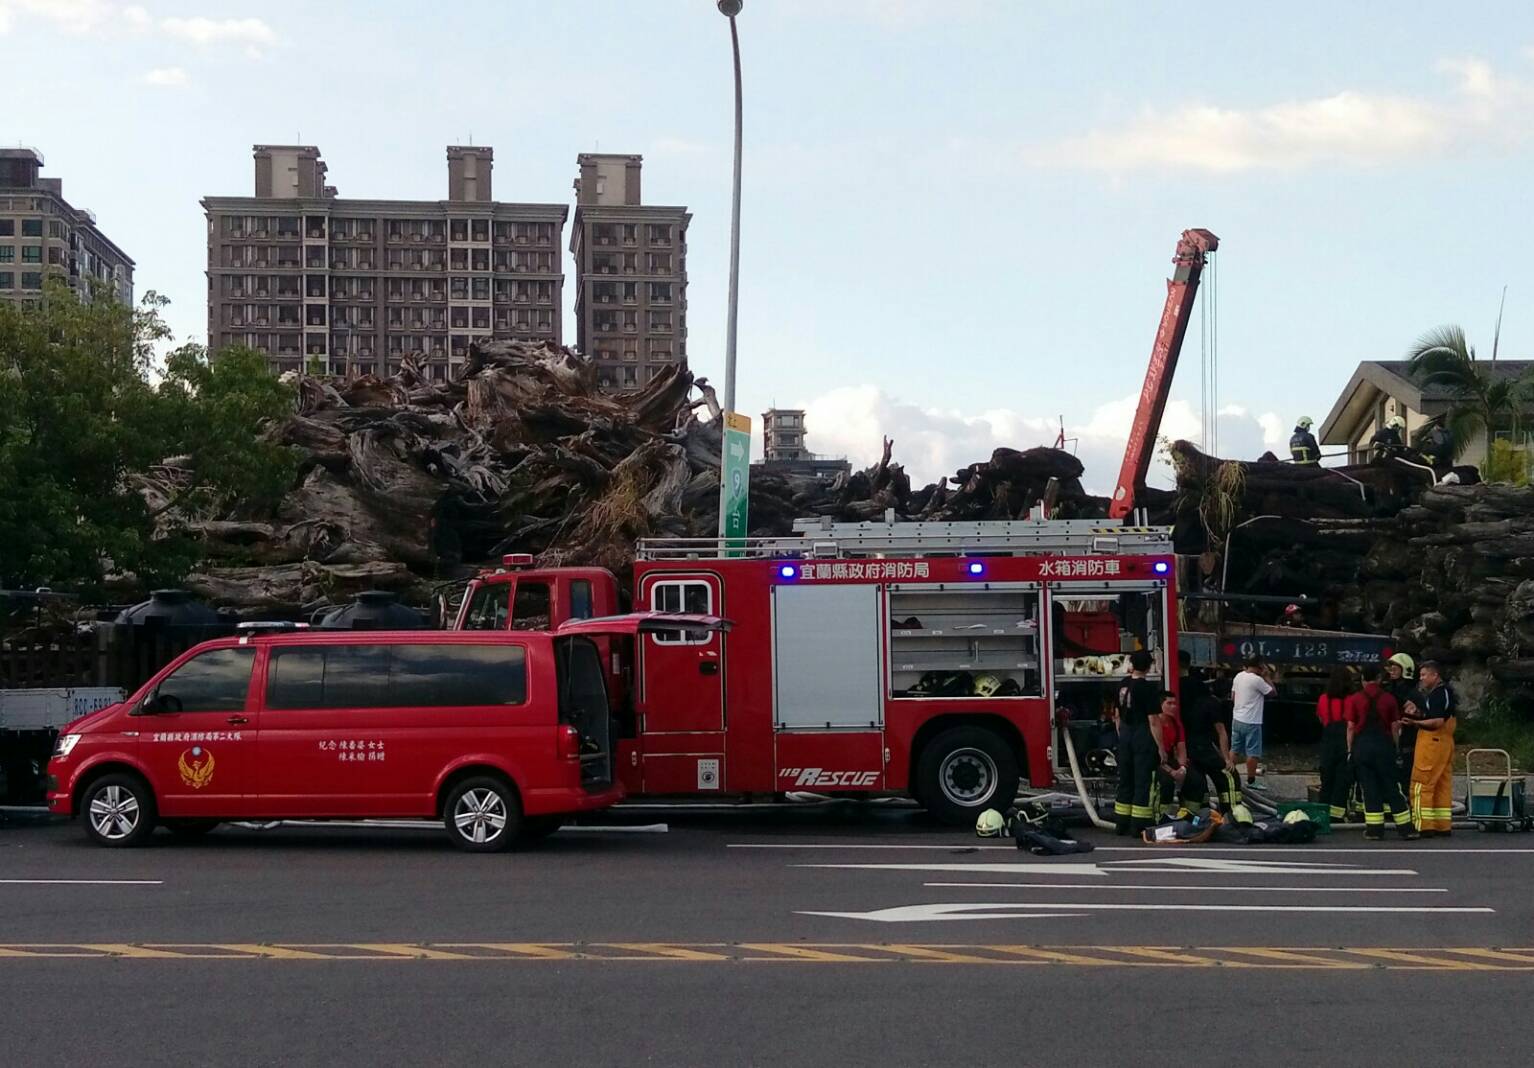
x,y
158,702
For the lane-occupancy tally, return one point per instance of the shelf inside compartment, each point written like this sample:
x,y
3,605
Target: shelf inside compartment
x,y
965,632
1065,680
987,662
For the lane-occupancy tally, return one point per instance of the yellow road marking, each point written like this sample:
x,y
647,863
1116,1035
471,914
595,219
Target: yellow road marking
x,y
1291,958
1458,958
523,950
662,951
784,951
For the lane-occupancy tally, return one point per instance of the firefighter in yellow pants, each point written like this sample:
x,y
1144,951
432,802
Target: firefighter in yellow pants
x,y
1432,774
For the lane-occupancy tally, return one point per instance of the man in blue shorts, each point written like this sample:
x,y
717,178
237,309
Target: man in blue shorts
x,y
1249,691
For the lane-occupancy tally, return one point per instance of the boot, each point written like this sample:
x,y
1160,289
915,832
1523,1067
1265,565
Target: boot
x,y
1409,833
1374,834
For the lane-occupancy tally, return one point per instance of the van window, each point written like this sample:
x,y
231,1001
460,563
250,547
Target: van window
x,y
214,681
490,607
396,676
530,611
580,599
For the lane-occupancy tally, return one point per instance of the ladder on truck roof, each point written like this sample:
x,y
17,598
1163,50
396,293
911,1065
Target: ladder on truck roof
x,y
1006,537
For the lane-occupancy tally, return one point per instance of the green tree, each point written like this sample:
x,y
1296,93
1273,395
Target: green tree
x,y
1484,401
82,419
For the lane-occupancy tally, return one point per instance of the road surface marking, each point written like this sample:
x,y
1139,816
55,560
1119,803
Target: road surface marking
x,y
1207,887
436,825
1222,867
965,847
450,954
82,882
968,910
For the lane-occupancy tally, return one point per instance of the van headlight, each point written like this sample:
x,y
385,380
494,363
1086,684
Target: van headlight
x,y
65,745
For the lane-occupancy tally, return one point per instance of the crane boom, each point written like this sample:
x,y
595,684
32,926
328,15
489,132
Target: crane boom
x,y
1188,265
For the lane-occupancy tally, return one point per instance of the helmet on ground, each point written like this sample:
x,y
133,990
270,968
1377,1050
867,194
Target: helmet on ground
x,y
1296,816
1291,609
1407,665
1241,814
1304,422
1396,422
986,685
991,824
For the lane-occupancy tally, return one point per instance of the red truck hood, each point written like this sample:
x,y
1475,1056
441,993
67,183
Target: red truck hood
x,y
87,723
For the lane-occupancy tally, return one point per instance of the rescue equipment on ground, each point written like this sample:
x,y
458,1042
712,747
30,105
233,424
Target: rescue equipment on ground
x,y
991,824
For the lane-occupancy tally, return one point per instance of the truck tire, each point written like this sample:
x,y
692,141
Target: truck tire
x,y
965,770
483,815
117,810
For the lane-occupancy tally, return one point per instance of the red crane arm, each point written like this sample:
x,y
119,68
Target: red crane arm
x,y
1181,288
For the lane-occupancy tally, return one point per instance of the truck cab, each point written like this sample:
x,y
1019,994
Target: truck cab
x,y
517,596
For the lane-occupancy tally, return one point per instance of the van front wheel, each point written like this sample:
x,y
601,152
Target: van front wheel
x,y
482,815
964,771
118,810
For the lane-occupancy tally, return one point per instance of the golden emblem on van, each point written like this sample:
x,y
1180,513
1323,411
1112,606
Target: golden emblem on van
x,y
196,766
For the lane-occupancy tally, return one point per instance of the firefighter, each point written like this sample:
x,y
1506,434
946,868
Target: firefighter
x,y
1207,736
1331,710
1437,446
1371,716
1432,777
1173,785
1303,449
1400,682
1140,750
1389,440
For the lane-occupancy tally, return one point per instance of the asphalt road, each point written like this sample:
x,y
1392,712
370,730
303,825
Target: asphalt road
x,y
760,938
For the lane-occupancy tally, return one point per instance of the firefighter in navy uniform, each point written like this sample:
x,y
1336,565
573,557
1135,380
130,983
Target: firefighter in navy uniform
x,y
1303,449
1372,716
1400,681
1140,750
1208,741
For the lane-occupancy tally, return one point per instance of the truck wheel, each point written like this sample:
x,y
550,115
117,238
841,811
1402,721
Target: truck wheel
x,y
117,810
190,828
483,815
964,771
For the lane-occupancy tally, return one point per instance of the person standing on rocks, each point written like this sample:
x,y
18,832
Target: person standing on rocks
x,y
1331,710
1432,775
1249,692
1303,450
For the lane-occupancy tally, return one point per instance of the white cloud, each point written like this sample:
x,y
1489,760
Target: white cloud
x,y
933,442
1350,127
136,17
71,16
166,77
201,30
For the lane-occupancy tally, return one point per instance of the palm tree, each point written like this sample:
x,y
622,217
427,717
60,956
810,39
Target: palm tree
x,y
1484,402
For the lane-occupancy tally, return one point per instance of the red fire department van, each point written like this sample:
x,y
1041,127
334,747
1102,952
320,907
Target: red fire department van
x,y
499,735
939,661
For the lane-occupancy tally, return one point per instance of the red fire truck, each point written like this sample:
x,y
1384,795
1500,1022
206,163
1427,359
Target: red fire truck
x,y
934,660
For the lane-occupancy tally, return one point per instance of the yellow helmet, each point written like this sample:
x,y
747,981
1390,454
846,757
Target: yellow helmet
x,y
991,824
1296,816
1304,422
986,685
1407,665
1397,422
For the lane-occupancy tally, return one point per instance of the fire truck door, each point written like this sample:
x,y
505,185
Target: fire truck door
x,y
683,675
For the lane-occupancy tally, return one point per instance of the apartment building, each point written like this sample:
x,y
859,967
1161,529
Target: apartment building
x,y
354,286
42,234
631,273
784,449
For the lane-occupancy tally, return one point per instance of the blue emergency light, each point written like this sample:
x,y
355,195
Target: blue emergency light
x,y
977,568
1161,567
788,571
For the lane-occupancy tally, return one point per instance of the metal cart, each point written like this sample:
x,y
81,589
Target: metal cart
x,y
1495,800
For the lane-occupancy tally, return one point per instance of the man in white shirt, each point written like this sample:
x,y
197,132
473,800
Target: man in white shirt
x,y
1249,691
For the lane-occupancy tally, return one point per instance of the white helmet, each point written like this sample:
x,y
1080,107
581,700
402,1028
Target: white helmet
x,y
1304,422
1396,422
991,824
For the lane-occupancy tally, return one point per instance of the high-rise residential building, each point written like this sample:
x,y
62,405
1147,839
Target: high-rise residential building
x,y
355,286
42,234
631,274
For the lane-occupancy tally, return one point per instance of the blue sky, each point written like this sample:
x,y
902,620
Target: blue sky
x,y
958,215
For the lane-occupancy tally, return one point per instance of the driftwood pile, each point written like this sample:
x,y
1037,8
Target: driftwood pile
x,y
406,483
1446,570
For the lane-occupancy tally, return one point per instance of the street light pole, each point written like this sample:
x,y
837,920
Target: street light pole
x,y
735,434
731,8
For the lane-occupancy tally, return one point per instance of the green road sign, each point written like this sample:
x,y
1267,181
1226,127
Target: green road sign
x,y
735,479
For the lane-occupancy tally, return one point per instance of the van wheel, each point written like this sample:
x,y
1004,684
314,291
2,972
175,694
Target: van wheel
x,y
964,771
118,810
190,828
483,815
